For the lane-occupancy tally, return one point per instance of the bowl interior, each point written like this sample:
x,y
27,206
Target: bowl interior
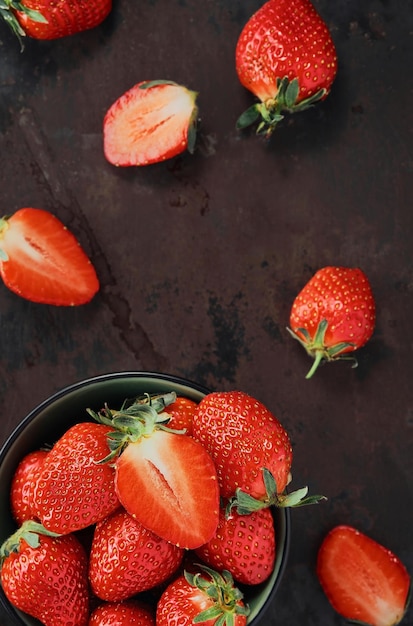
x,y
47,422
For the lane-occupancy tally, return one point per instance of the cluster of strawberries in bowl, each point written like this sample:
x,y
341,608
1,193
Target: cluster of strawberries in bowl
x,y
150,507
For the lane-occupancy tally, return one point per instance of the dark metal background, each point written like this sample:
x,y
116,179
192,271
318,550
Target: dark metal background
x,y
201,257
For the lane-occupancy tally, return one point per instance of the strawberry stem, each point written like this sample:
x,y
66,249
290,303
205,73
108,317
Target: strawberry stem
x,y
245,504
316,348
285,100
135,419
219,587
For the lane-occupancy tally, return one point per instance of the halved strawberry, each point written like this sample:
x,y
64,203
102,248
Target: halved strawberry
x,y
165,480
363,580
41,260
152,121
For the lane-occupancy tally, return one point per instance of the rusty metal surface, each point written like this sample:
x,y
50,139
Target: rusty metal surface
x,y
201,257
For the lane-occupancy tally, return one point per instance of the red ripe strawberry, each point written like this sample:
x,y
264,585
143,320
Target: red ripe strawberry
x,y
286,57
244,545
127,613
46,576
42,261
167,481
251,451
334,314
126,558
43,19
181,414
243,437
21,492
363,580
152,121
206,597
73,490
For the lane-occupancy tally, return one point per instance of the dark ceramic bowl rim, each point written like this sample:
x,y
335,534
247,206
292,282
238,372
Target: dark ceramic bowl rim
x,y
10,440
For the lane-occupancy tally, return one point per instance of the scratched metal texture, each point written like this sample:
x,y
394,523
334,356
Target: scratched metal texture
x,y
200,257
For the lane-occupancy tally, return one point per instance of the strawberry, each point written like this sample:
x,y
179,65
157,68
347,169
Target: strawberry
x,y
251,451
126,558
152,121
167,481
363,580
244,545
45,576
73,490
21,491
122,614
334,314
205,597
42,261
181,414
43,19
286,57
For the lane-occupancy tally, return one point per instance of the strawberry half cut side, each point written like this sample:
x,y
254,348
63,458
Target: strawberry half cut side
x,y
363,581
164,479
151,122
42,261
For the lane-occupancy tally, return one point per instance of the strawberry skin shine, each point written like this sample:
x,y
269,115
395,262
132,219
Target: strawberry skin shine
x,y
362,579
168,482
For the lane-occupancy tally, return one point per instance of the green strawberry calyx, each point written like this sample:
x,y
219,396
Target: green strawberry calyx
x,y
29,532
244,503
316,348
134,420
220,588
269,113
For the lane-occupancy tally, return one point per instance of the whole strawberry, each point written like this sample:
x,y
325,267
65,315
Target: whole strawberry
x,y
205,597
22,486
286,57
127,613
244,545
127,559
73,490
334,314
46,576
251,450
243,437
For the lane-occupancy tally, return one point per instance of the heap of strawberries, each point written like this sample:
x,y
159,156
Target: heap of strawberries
x,y
162,502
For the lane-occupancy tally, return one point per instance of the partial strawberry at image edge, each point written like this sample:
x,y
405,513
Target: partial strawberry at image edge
x,y
364,581
42,19
42,261
286,57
